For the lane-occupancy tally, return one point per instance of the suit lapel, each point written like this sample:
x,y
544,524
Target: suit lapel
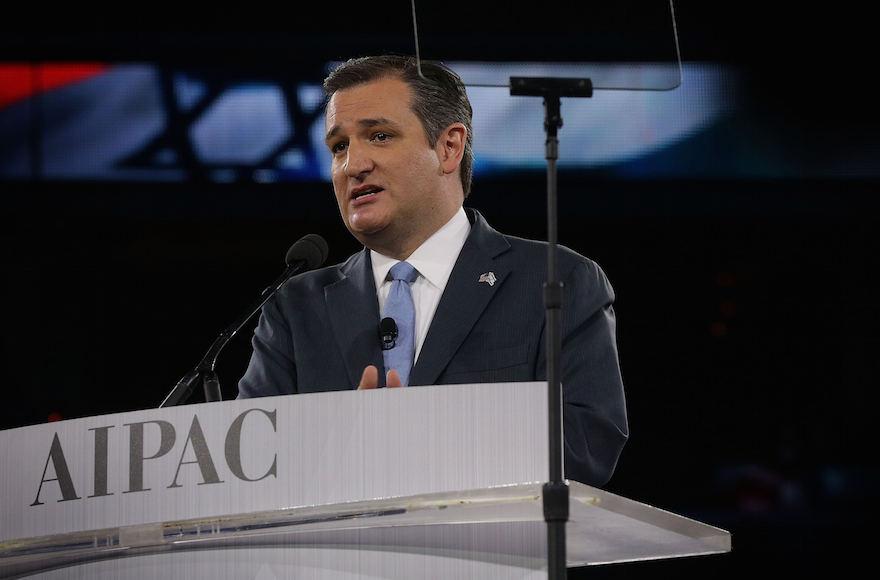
x,y
355,325
463,301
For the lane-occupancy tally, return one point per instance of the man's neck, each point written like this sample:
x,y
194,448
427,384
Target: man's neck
x,y
402,247
458,222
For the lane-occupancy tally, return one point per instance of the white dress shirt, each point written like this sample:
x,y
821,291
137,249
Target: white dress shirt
x,y
434,260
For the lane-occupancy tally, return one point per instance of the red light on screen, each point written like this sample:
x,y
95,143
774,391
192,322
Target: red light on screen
x,y
19,81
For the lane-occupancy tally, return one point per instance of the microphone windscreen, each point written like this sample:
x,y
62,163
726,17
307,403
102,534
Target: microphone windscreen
x,y
311,249
387,327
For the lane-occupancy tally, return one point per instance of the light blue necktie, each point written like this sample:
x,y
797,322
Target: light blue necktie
x,y
399,306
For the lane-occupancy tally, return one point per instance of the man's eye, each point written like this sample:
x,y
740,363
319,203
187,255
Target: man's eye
x,y
381,137
338,147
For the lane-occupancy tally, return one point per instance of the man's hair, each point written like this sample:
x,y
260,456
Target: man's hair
x,y
438,102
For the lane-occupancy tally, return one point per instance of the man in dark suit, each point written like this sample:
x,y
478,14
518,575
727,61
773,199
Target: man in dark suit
x,y
400,140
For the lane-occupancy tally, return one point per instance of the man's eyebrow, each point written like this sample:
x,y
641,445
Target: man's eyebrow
x,y
363,123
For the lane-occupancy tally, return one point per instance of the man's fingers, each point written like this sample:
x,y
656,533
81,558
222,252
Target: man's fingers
x,y
370,378
393,379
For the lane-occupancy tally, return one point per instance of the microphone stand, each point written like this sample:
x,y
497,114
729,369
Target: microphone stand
x,y
205,369
555,491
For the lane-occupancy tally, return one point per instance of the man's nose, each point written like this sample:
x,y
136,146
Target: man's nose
x,y
357,160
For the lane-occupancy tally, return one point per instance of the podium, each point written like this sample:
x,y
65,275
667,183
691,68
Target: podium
x,y
427,482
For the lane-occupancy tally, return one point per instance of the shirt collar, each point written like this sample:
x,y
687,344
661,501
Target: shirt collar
x,y
435,258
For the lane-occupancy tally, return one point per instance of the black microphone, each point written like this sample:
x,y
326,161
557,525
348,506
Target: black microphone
x,y
388,333
307,253
311,249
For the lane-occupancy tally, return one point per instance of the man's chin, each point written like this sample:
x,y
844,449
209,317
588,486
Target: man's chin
x,y
363,230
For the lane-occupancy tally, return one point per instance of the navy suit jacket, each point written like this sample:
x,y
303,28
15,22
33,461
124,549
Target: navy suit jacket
x,y
320,331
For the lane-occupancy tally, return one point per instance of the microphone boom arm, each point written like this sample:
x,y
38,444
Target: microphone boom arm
x,y
205,369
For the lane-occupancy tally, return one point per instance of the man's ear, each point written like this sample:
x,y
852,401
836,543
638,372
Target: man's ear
x,y
450,147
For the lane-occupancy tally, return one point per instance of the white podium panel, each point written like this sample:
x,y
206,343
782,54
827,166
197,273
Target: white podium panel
x,y
432,482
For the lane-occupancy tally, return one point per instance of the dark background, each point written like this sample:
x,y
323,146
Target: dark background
x,y
748,323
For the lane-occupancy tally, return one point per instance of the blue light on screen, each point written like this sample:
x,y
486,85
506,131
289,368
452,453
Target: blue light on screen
x,y
224,127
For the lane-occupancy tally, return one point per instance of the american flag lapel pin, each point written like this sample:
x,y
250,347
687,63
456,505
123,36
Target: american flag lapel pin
x,y
488,277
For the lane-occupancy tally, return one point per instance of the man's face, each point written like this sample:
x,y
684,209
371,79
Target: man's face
x,y
389,181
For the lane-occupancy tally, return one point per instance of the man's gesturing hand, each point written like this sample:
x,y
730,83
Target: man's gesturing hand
x,y
370,378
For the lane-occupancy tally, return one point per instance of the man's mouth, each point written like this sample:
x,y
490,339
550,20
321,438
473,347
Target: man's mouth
x,y
366,192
